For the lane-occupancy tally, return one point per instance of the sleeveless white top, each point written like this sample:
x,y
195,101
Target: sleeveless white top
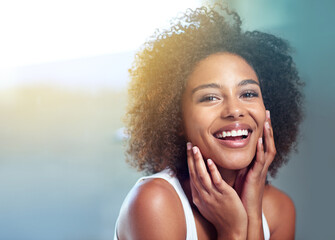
x,y
191,231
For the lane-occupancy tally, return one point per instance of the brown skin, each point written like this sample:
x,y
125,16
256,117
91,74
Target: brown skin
x,y
153,211
223,90
229,194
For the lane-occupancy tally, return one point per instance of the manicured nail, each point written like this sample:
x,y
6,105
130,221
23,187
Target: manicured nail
x,y
267,112
260,140
189,146
195,150
209,162
267,125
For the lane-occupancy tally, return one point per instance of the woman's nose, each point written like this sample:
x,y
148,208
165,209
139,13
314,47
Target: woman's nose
x,y
233,109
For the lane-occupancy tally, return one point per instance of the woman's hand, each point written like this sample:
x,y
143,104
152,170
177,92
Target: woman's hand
x,y
250,182
216,200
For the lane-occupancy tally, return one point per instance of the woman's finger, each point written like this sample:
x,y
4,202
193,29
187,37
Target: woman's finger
x,y
259,164
201,171
195,194
190,162
270,148
192,168
217,180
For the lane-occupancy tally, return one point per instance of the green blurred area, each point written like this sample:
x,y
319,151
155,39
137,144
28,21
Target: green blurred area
x,y
59,121
62,163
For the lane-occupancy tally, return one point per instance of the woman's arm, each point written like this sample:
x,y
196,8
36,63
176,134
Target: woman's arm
x,y
153,211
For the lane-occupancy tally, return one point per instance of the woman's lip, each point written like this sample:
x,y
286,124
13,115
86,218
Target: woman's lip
x,y
235,143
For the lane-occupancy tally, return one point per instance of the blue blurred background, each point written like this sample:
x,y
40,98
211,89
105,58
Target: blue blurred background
x,y
63,77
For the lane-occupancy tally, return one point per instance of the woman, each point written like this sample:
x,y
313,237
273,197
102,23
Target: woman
x,y
199,120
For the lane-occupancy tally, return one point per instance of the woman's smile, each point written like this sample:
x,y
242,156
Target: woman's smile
x,y
234,135
223,110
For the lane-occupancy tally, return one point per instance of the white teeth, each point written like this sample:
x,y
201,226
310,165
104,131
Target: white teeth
x,y
233,133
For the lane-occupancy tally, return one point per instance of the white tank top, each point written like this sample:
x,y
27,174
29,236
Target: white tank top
x,y
191,231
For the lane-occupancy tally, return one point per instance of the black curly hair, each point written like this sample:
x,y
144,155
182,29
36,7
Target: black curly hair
x,y
160,70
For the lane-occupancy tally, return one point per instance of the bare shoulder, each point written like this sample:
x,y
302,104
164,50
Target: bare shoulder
x,y
279,211
152,210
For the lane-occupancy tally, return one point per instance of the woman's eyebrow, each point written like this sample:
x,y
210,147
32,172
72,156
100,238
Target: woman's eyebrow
x,y
209,85
215,85
247,81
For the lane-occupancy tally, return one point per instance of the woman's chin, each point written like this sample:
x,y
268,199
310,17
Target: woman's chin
x,y
235,162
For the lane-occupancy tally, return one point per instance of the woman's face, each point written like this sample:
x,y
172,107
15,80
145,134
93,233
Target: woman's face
x,y
223,110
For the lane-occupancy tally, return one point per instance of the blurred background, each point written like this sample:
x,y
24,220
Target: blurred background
x,y
63,78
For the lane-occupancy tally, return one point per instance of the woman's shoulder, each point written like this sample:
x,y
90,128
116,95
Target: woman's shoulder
x,y
152,209
279,211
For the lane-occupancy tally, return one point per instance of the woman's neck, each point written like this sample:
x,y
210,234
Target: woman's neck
x,y
229,176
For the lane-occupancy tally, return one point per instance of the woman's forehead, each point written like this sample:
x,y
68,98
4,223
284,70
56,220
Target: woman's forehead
x,y
222,68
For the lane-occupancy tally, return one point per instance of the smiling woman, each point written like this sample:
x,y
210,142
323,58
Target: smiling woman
x,y
199,121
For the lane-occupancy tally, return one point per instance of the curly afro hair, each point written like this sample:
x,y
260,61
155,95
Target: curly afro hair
x,y
158,79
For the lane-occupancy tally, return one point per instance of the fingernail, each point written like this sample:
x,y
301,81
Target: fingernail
x,y
267,125
267,112
195,150
260,140
209,162
189,146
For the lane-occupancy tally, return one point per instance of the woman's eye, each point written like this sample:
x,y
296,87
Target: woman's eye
x,y
249,94
208,98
